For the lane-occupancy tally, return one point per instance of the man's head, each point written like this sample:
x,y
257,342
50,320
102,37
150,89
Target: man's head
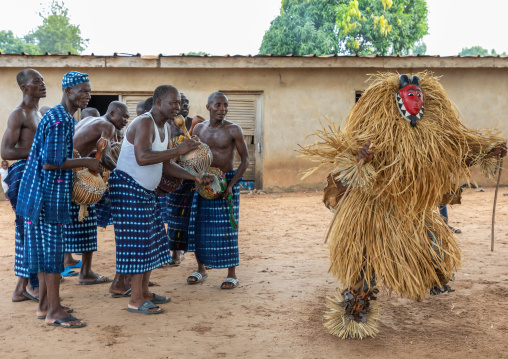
x,y
31,83
148,103
140,108
44,109
76,87
184,105
90,112
218,106
118,114
5,164
166,100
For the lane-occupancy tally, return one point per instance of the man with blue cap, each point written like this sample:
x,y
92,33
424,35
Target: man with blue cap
x,y
45,196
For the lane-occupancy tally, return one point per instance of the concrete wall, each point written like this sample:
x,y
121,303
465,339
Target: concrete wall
x,y
295,92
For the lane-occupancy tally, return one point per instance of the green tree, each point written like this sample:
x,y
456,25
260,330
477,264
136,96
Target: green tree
x,y
303,28
15,45
420,49
347,26
478,50
193,53
57,35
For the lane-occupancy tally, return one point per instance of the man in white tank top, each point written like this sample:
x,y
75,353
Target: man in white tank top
x,y
141,242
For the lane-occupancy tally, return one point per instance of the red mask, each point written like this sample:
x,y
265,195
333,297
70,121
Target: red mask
x,y
410,99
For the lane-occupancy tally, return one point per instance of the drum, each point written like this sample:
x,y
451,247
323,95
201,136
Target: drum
x,y
168,184
88,187
206,191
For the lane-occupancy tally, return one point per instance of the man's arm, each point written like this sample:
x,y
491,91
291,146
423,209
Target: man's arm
x,y
241,147
9,150
91,163
109,133
143,138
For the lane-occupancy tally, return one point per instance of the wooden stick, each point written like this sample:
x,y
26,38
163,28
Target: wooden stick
x,y
500,167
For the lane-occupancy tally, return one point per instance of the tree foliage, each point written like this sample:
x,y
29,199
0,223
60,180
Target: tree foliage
x,y
15,45
478,50
360,27
57,35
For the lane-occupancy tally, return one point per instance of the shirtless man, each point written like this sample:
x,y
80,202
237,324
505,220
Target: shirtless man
x,y
140,108
184,112
16,144
213,240
81,236
177,204
90,111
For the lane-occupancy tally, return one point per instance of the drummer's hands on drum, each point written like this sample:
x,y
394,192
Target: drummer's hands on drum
x,y
93,164
204,180
187,146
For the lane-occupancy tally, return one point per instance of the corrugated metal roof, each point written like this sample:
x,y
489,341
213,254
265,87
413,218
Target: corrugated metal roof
x,y
121,54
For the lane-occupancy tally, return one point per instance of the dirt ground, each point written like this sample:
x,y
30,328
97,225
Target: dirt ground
x,y
277,311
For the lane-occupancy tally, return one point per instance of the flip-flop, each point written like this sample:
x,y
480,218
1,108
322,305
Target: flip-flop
x,y
77,265
69,310
230,280
99,280
31,297
70,318
159,299
199,277
455,230
20,300
145,308
127,293
68,272
174,264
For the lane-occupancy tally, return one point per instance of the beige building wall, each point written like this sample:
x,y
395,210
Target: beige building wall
x,y
295,92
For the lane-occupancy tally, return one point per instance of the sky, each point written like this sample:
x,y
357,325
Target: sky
x,y
236,27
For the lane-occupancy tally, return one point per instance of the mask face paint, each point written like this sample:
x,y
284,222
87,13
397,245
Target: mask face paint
x,y
410,99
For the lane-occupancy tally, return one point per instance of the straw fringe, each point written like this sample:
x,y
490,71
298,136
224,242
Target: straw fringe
x,y
383,228
339,325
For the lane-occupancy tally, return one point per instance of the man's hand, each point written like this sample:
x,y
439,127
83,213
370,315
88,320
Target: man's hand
x,y
499,150
93,164
227,192
204,180
365,153
187,146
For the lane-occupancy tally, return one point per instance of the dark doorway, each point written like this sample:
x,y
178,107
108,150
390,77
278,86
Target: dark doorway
x,y
101,102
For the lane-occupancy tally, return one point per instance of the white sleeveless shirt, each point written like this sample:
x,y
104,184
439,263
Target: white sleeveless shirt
x,y
148,176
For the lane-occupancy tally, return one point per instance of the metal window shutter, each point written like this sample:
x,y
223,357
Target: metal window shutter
x,y
242,111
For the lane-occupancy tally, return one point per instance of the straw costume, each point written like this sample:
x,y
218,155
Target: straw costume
x,y
387,230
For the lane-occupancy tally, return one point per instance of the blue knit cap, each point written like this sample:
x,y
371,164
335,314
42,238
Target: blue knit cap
x,y
74,78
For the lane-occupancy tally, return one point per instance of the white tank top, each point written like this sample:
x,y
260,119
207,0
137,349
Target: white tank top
x,y
148,176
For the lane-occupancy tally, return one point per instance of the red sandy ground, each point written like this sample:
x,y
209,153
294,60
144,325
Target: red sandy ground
x,y
277,311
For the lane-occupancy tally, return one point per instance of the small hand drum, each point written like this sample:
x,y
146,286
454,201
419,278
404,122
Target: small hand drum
x,y
168,184
206,191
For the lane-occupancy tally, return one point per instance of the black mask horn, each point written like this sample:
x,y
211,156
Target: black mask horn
x,y
404,81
